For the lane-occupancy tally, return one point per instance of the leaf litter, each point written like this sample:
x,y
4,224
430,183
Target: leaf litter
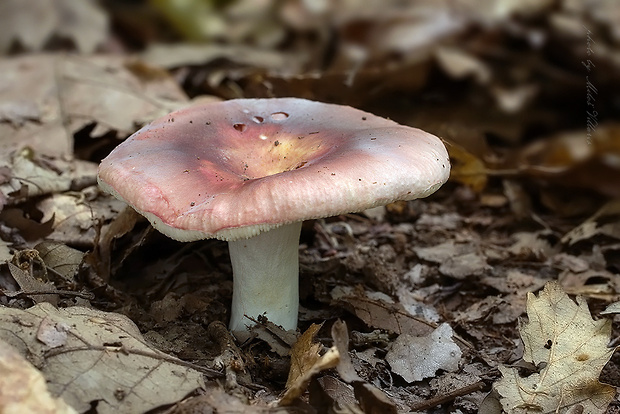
x,y
568,350
93,357
532,198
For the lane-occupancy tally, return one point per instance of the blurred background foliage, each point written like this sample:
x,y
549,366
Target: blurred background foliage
x,y
520,89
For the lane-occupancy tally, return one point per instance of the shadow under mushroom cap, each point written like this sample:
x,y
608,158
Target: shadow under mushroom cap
x,y
231,169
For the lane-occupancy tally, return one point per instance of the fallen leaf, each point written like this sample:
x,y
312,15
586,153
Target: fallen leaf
x,y
415,358
176,55
379,311
32,23
532,246
32,175
570,350
611,309
23,388
102,360
305,363
370,398
304,354
65,94
457,260
328,392
599,284
63,260
573,159
28,283
604,222
467,168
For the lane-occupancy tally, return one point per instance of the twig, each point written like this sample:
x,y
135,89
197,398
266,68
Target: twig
x,y
441,399
84,295
156,355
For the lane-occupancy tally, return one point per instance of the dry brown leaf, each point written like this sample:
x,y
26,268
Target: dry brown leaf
x,y
32,175
570,349
91,356
467,168
28,283
382,314
457,260
532,246
61,259
22,387
64,94
328,392
307,362
612,308
598,284
304,354
177,55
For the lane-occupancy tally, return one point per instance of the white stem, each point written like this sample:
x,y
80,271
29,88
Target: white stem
x,y
266,278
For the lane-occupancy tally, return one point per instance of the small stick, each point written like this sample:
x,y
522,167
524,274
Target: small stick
x,y
84,295
440,399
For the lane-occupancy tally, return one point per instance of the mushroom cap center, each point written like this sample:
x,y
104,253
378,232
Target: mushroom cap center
x,y
263,153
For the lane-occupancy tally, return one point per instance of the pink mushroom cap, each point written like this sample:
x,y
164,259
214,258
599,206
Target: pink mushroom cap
x,y
232,169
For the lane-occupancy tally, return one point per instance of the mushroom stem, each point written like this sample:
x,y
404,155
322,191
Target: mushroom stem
x,y
266,278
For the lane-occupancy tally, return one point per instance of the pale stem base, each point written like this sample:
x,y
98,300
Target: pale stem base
x,y
266,278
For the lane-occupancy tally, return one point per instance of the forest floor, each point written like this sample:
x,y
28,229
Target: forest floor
x,y
498,293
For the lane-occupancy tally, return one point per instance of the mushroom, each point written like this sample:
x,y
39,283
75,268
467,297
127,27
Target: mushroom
x,y
249,171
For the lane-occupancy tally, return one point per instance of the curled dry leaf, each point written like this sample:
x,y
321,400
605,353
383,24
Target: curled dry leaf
x,y
307,362
90,356
23,388
570,348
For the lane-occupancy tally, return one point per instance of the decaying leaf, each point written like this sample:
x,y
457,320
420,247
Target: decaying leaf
x,y
61,259
23,388
32,175
415,358
467,168
370,398
604,222
569,348
458,260
65,94
380,311
28,283
93,357
307,362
